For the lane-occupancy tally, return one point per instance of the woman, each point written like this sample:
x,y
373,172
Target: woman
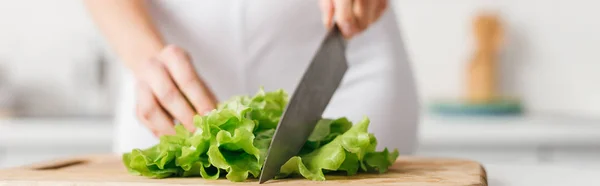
x,y
207,51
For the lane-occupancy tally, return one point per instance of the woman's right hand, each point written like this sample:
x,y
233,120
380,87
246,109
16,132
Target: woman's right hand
x,y
169,88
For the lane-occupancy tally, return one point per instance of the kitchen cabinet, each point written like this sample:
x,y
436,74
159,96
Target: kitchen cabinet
x,y
29,140
581,157
532,139
485,154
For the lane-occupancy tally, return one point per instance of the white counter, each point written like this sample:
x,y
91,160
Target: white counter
x,y
530,140
542,175
36,132
513,131
515,151
434,131
532,132
24,141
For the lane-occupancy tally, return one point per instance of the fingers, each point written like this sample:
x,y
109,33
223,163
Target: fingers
x,y
168,94
380,8
327,10
355,16
362,12
183,73
345,18
151,114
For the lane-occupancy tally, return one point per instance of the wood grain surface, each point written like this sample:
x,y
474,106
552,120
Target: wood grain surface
x,y
99,170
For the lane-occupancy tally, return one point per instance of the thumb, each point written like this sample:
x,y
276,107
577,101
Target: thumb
x,y
345,18
208,101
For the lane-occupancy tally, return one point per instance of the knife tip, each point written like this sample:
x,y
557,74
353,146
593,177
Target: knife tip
x,y
261,180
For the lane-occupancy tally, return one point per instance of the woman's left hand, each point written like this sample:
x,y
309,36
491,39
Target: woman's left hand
x,y
352,16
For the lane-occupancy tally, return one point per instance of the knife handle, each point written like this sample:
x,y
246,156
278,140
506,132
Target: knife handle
x,y
336,32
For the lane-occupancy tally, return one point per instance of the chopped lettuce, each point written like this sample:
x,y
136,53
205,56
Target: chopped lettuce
x,y
233,139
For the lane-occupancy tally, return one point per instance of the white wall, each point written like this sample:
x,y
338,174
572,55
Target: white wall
x,y
49,53
551,59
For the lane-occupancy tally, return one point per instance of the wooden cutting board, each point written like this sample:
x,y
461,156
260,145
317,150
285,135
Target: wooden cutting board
x,y
99,170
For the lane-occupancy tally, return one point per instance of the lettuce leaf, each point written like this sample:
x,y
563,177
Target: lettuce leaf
x,y
233,139
346,152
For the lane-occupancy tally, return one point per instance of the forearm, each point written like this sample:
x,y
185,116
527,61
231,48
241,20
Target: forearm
x,y
128,29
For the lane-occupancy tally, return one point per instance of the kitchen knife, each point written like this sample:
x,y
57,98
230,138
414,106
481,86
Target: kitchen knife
x,y
307,104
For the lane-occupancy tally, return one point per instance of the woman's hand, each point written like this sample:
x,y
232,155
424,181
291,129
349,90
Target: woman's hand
x,y
168,89
352,16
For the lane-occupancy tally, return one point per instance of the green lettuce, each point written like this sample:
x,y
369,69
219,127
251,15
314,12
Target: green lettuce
x,y
233,139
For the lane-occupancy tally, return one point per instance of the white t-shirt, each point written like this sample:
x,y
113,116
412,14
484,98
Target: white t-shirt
x,y
238,46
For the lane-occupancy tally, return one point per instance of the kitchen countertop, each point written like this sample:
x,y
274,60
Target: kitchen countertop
x,y
533,130
23,132
434,131
543,175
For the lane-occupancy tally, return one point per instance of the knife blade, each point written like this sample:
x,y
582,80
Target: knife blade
x,y
307,104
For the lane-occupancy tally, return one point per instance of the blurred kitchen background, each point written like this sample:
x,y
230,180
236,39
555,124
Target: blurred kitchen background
x,y
57,81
